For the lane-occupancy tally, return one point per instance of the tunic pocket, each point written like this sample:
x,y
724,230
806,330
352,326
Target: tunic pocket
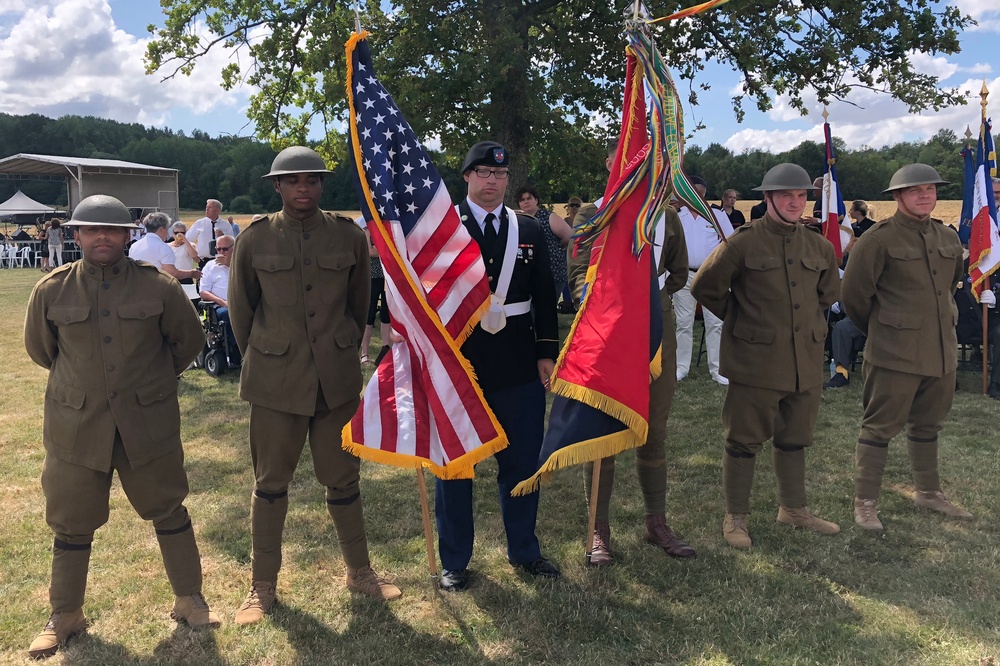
x,y
75,336
765,280
267,362
753,334
140,326
160,412
335,275
63,413
277,280
905,262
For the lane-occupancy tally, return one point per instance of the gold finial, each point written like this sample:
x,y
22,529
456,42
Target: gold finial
x,y
826,115
983,94
968,134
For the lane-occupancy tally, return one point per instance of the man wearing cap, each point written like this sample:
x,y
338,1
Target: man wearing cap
x,y
298,301
702,237
114,335
770,283
513,351
898,289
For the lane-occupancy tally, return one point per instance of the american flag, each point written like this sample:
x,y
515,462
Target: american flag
x,y
423,407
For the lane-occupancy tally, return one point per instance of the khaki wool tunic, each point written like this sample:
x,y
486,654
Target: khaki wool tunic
x,y
298,302
899,290
770,283
114,340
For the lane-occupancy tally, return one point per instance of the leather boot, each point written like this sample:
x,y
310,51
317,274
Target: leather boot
x,y
193,610
806,519
870,459
267,523
600,554
866,514
658,533
58,630
736,530
936,501
258,603
366,581
349,519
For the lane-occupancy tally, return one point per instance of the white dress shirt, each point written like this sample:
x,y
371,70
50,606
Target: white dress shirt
x,y
151,248
700,236
215,280
202,233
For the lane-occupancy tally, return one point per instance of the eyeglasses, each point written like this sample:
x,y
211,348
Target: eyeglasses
x,y
486,173
572,205
228,248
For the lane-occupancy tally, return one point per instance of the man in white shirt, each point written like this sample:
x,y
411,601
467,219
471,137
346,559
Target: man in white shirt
x,y
207,229
702,238
215,289
153,249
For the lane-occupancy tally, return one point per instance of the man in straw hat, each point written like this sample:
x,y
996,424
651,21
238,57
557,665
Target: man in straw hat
x,y
898,289
114,335
770,283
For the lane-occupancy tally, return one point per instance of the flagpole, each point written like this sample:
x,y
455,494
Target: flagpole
x,y
595,481
357,16
428,532
983,94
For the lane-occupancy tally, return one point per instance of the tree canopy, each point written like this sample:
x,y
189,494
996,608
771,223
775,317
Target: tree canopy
x,y
540,75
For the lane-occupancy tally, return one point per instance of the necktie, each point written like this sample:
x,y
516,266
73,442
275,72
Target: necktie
x,y
490,232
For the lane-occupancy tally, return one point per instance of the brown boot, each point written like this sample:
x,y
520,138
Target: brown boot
x,y
866,514
600,554
258,603
658,533
936,501
736,530
194,611
366,581
58,630
804,518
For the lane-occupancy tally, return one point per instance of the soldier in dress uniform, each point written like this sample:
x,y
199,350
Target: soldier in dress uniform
x,y
770,283
298,302
670,251
114,335
898,289
513,352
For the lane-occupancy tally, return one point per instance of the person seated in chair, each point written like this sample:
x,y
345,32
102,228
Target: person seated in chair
x,y
215,289
846,340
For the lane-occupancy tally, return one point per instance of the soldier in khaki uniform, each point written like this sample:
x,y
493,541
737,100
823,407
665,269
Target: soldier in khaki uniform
x,y
298,302
770,283
651,460
114,335
898,289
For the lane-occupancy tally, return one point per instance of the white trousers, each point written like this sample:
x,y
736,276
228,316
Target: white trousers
x,y
684,310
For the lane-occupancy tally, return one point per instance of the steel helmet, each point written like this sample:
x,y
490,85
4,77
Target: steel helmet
x,y
912,175
786,176
297,159
100,210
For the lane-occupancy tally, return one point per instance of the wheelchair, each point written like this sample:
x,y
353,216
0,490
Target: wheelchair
x,y
218,355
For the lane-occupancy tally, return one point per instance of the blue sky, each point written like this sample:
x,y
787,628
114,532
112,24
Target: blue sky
x,y
84,57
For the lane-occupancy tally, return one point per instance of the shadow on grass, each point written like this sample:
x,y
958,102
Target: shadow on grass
x,y
184,646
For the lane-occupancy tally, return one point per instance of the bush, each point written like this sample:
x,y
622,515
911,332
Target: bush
x,y
242,204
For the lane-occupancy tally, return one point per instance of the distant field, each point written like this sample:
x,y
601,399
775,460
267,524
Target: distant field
x,y
948,211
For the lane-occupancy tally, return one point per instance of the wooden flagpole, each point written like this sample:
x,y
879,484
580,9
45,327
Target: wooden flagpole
x,y
983,94
428,531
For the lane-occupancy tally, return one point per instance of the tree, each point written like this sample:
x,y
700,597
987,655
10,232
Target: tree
x,y
462,71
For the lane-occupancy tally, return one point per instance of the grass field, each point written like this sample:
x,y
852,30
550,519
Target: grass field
x,y
924,592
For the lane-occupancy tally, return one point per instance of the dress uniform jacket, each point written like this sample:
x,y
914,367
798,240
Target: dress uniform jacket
x,y
673,258
298,301
770,283
114,340
899,290
509,358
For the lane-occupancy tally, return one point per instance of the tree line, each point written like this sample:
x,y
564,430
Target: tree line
x,y
230,168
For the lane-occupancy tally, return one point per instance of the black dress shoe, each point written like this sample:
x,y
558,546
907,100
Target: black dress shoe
x,y
454,580
837,381
540,568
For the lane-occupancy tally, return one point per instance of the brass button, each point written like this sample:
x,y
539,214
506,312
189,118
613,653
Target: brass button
x,y
116,270
106,286
107,338
312,314
112,395
305,236
111,368
793,283
796,306
309,287
307,262
790,262
105,313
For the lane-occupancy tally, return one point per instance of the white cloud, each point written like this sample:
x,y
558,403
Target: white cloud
x,y
94,68
977,8
877,121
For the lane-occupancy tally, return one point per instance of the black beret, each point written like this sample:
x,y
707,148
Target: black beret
x,y
486,153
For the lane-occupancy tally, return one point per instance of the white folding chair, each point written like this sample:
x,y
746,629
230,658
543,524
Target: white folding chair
x,y
11,252
24,261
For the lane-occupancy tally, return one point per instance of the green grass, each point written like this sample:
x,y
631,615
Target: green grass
x,y
925,592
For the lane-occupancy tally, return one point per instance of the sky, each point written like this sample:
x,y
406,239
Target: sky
x,y
85,57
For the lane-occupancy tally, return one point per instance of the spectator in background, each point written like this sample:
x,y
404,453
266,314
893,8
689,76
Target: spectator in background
x,y
185,256
758,210
55,244
729,199
555,230
215,289
207,229
152,248
572,208
859,214
43,245
236,227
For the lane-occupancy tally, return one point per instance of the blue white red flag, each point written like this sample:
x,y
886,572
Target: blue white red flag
x,y
968,194
422,407
984,242
834,210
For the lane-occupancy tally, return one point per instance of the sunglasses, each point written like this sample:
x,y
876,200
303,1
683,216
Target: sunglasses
x,y
225,249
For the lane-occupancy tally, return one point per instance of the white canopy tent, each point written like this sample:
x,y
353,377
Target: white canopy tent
x,y
22,204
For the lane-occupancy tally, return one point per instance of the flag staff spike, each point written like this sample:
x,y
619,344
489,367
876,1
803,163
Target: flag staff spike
x,y
983,94
826,115
968,135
